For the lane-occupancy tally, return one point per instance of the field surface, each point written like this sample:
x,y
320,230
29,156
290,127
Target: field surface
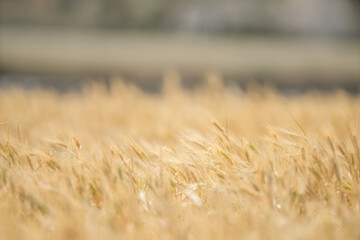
x,y
286,61
207,163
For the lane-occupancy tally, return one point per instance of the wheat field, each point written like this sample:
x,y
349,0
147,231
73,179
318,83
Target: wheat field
x,y
213,162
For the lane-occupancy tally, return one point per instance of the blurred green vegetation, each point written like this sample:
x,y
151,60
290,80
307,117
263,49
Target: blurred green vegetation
x,y
336,17
291,43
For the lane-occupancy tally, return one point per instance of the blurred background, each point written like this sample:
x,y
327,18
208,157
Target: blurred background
x,y
292,44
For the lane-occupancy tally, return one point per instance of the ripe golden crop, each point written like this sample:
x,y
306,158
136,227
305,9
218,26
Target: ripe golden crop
x,y
207,163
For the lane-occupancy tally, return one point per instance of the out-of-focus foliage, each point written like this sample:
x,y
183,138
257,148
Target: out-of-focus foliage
x,y
306,16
